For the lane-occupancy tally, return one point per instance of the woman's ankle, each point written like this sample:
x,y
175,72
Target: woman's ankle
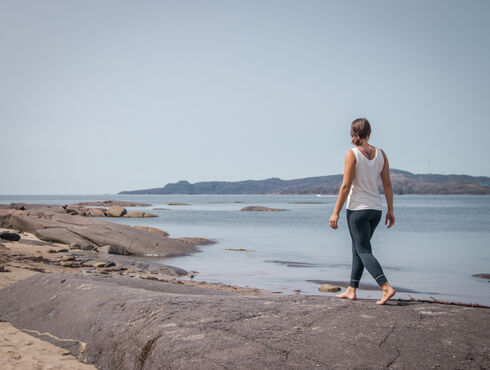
x,y
386,286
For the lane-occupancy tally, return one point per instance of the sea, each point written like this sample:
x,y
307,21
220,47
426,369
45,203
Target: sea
x,y
432,252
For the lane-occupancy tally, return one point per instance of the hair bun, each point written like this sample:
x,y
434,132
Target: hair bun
x,y
360,129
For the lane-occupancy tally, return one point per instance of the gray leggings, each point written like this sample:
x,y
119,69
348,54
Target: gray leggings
x,y
362,224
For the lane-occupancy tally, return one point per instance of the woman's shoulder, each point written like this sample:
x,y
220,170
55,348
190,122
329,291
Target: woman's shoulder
x,y
351,155
381,151
351,152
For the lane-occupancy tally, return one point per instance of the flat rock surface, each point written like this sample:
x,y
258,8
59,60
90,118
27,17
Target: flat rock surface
x,y
262,209
117,323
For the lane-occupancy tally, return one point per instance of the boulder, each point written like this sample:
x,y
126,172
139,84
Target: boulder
x,y
262,209
116,211
96,212
153,230
135,214
64,228
139,214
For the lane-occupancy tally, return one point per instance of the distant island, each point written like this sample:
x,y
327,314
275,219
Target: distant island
x,y
403,183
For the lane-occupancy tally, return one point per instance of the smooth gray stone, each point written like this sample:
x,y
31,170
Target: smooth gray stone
x,y
128,323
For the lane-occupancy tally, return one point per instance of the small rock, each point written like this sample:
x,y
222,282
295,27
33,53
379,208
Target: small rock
x,y
110,249
74,246
87,247
98,264
67,258
110,264
51,250
87,263
328,288
104,249
67,264
64,250
3,269
10,236
71,211
18,206
116,211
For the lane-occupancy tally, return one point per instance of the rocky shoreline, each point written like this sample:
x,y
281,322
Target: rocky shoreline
x,y
73,224
100,301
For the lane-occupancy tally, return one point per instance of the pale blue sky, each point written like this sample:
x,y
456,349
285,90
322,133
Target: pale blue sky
x,y
102,96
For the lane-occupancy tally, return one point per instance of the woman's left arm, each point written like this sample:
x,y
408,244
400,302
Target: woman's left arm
x,y
349,171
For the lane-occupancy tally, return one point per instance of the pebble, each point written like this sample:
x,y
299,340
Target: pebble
x,y
98,264
328,288
67,258
74,246
67,264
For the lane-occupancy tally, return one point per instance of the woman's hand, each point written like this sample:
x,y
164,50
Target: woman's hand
x,y
390,219
333,221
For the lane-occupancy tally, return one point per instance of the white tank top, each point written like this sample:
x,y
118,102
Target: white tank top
x,y
364,192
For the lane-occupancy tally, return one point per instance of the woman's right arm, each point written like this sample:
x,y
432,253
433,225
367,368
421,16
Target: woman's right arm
x,y
388,190
349,171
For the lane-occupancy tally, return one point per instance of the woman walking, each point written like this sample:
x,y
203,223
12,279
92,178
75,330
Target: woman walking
x,y
363,164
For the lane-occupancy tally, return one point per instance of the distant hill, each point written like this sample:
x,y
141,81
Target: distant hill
x,y
403,183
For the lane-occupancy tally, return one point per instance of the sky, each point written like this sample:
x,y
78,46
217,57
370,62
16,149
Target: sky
x,y
100,96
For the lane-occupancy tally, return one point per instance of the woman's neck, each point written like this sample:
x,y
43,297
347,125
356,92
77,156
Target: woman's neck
x,y
364,143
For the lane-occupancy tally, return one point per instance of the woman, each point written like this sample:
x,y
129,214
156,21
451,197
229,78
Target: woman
x,y
363,165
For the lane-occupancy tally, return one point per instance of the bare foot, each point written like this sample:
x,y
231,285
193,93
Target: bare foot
x,y
349,294
388,292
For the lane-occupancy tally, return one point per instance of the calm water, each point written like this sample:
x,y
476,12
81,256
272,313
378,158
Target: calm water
x,y
438,242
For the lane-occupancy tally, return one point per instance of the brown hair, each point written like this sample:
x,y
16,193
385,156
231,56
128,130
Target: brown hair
x,y
359,129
